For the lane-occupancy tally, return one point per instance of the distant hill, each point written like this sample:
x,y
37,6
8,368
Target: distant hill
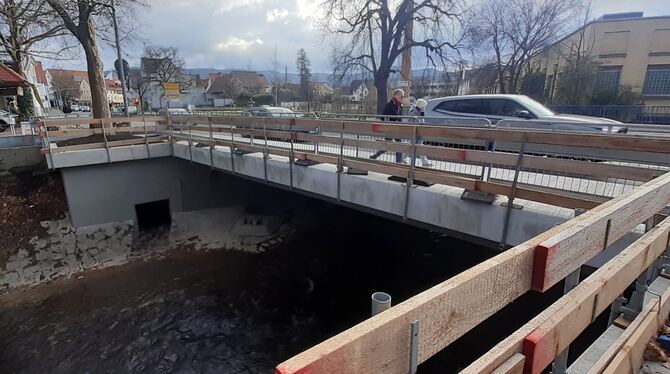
x,y
424,73
292,77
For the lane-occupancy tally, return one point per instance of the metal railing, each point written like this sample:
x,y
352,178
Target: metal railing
x,y
625,113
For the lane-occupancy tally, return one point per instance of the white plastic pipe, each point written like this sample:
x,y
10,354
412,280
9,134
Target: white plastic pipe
x,y
380,302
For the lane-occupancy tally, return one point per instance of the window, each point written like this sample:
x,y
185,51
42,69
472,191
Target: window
x,y
657,81
505,108
448,106
470,106
607,79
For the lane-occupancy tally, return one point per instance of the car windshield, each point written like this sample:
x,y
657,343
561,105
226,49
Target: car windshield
x,y
536,108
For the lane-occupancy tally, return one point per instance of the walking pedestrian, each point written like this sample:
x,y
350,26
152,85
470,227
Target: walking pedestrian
x,y
417,111
392,108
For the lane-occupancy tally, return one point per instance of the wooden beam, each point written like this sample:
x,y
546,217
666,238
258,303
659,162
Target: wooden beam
x,y
630,357
512,366
590,233
607,357
514,343
591,297
544,164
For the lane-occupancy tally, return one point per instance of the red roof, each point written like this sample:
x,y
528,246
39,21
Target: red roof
x,y
39,72
10,78
60,73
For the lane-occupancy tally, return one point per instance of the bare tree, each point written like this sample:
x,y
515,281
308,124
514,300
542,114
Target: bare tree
x,y
276,79
517,31
78,16
580,68
372,34
140,82
25,26
166,66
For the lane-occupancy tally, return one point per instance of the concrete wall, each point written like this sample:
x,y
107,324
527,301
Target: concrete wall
x,y
109,192
20,157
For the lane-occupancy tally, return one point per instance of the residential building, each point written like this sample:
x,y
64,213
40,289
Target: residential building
x,y
68,85
321,89
225,87
360,90
631,50
113,91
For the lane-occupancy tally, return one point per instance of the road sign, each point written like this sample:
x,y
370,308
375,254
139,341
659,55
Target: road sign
x,y
402,84
171,90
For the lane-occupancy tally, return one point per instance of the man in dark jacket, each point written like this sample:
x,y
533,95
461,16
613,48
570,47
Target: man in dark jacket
x,y
392,108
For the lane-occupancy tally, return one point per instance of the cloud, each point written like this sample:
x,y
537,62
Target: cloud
x,y
306,8
276,15
237,43
229,5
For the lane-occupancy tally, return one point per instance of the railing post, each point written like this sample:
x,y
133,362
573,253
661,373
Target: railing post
x,y
410,173
232,146
48,145
340,163
171,129
266,152
104,135
190,143
291,154
560,364
510,198
146,139
211,143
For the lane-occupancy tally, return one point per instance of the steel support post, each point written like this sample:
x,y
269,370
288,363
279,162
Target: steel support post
x,y
510,198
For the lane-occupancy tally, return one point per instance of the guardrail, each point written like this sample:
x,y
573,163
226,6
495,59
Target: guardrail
x,y
450,309
657,114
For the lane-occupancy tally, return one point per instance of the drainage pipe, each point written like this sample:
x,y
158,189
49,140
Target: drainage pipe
x,y
380,302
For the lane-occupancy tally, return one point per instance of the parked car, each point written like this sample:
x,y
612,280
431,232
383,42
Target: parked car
x,y
6,120
85,108
174,112
270,111
514,111
75,108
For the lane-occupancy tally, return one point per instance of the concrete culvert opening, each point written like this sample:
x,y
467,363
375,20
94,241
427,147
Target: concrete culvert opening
x,y
153,214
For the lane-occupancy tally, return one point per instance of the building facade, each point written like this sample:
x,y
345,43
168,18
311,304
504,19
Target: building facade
x,y
630,51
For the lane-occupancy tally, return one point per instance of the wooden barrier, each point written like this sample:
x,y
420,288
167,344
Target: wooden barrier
x,y
445,311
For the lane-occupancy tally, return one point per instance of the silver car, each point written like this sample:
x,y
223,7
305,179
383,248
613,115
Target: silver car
x,y
513,111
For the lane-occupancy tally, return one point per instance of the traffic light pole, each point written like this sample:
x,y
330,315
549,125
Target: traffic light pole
x,y
122,73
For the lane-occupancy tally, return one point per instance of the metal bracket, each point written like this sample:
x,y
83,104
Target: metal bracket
x,y
414,347
479,196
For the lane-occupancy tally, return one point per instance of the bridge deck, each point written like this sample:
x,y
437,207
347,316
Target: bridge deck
x,y
636,183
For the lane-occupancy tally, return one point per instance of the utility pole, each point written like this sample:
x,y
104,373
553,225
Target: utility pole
x,y
122,73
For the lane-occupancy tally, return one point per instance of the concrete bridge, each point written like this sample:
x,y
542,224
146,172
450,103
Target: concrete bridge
x,y
522,193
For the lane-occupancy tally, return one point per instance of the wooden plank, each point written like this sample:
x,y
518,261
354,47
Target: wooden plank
x,y
591,297
576,139
552,198
641,199
603,362
630,357
573,167
77,132
560,255
77,147
514,365
70,122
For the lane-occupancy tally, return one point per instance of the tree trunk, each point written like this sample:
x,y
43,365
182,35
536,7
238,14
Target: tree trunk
x,y
381,81
96,79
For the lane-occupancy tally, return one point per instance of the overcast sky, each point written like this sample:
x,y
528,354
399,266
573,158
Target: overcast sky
x,y
242,34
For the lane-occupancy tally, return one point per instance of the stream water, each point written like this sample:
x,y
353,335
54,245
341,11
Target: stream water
x,y
234,312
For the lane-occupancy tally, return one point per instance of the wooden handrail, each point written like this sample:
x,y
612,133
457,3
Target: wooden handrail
x,y
451,308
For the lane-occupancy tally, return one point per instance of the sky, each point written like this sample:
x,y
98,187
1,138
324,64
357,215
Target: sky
x,y
242,34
